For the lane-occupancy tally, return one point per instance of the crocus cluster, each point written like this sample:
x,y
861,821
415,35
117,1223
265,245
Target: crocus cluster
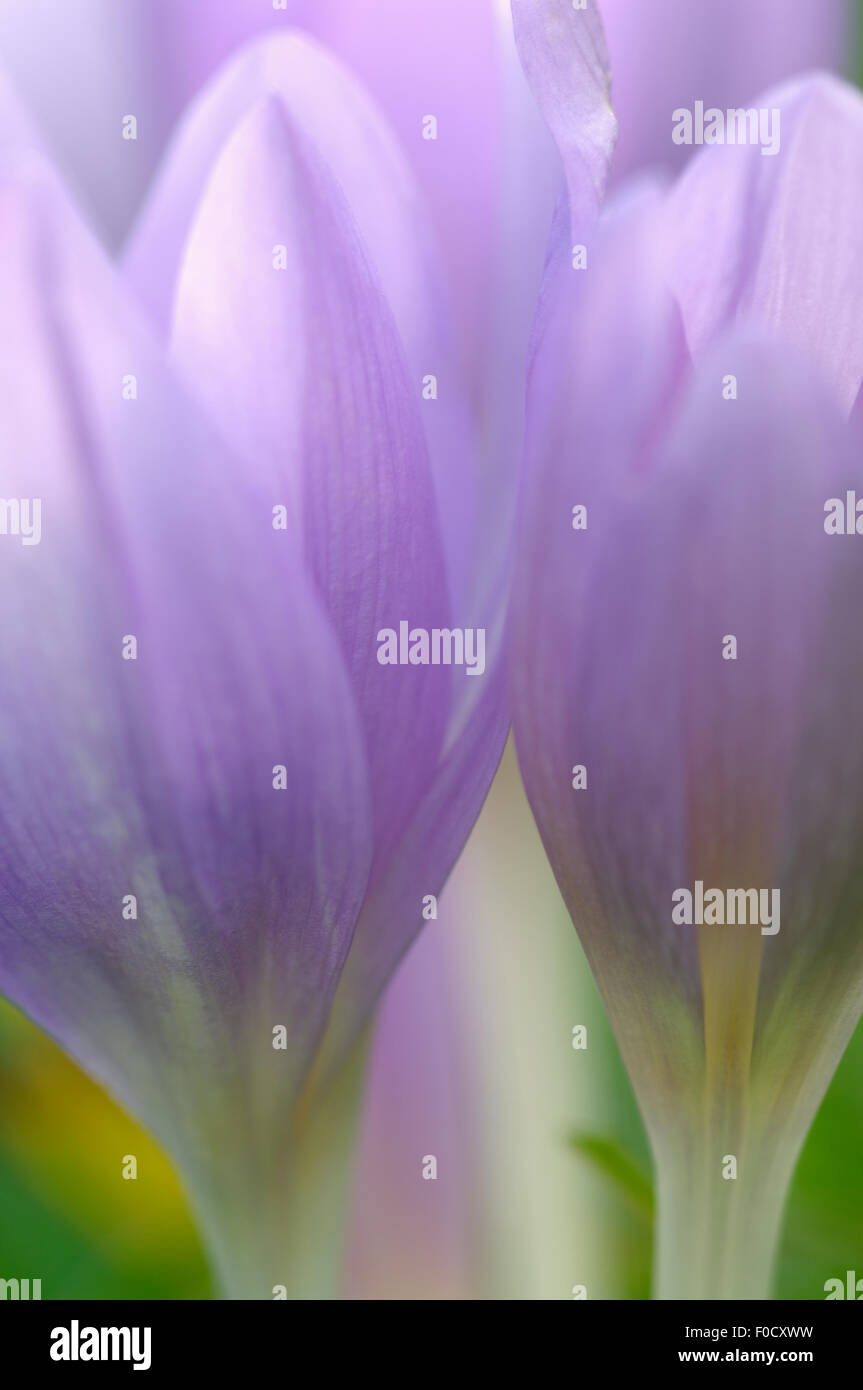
x,y
257,521
690,583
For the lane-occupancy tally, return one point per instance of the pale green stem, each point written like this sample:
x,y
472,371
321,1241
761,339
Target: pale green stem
x,y
723,1181
717,1236
281,1224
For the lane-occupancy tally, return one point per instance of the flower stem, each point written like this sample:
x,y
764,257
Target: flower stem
x,y
722,1187
717,1235
276,1229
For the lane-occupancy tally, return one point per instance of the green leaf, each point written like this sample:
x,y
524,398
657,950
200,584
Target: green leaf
x,y
611,1159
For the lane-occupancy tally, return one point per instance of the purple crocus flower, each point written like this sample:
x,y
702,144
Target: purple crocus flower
x,y
83,65
688,650
223,812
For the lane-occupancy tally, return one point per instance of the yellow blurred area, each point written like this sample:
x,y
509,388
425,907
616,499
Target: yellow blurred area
x,y
69,1140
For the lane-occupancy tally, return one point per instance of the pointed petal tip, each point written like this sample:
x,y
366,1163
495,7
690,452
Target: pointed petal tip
x,y
565,58
745,234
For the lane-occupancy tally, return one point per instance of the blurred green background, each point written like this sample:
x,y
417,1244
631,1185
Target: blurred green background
x,y
68,1217
66,1214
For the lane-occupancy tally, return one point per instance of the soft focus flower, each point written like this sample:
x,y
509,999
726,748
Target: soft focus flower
x,y
667,54
489,177
687,645
221,813
248,398
412,1237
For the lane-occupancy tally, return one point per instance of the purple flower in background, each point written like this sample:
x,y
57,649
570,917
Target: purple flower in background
x,y
686,634
667,54
222,808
